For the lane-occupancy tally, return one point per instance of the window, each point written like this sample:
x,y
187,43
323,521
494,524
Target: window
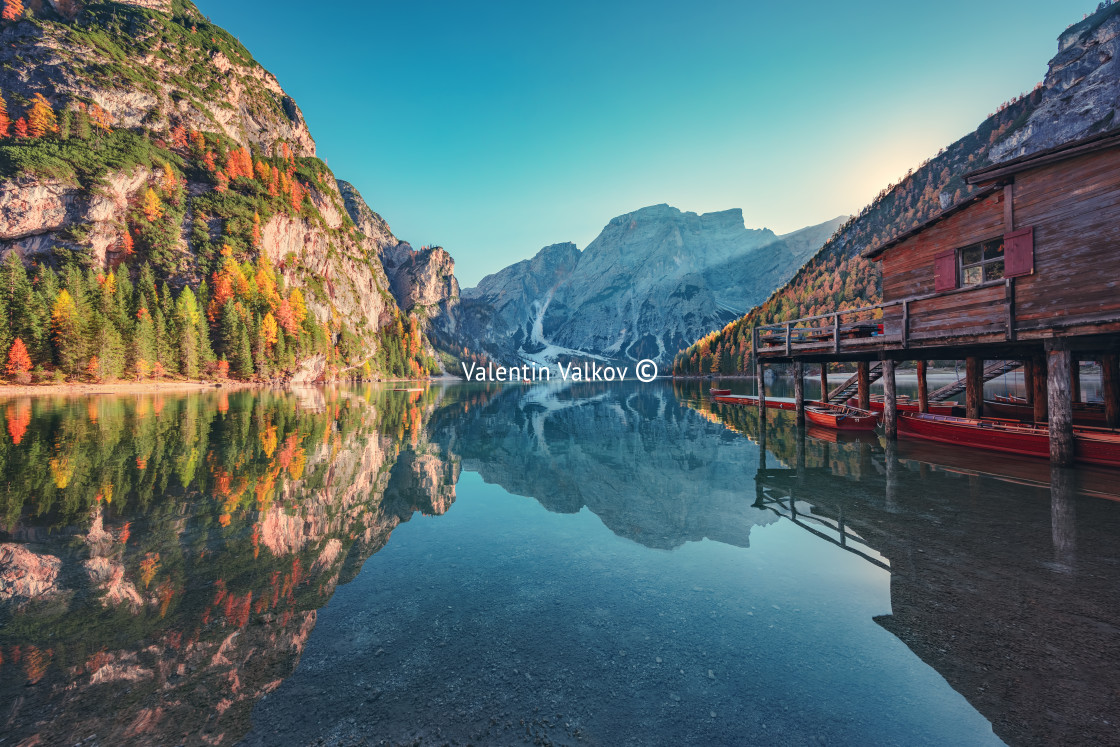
x,y
981,263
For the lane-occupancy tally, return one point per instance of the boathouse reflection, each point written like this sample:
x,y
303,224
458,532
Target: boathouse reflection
x,y
1018,619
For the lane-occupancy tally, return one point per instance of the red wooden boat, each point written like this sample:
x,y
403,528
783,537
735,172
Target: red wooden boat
x,y
840,417
1091,445
718,392
906,405
839,437
750,400
993,435
1016,408
1097,446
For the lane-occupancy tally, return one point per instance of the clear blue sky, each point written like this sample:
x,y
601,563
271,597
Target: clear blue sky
x,y
496,128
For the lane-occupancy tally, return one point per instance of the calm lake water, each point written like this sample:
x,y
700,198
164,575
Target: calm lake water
x,y
600,565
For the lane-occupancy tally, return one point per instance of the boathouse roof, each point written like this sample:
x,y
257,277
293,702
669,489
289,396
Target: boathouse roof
x,y
993,177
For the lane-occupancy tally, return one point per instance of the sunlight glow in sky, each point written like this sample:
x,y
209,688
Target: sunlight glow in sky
x,y
493,129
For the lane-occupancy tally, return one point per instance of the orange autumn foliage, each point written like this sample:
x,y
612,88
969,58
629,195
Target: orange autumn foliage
x,y
19,418
19,360
13,9
41,119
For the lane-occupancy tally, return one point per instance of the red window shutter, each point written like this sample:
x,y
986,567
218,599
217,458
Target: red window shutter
x,y
1018,253
945,271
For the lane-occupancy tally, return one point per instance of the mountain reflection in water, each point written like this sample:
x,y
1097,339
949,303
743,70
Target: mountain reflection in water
x,y
164,562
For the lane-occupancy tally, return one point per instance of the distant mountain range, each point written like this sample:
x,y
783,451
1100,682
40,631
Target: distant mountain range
x,y
652,281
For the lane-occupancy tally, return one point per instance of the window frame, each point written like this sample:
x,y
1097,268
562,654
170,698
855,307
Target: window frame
x,y
982,264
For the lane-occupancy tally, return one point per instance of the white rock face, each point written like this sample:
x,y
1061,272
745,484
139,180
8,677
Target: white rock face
x,y
1081,92
653,281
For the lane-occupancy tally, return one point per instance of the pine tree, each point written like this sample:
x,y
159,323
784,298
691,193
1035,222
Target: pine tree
x,y
244,353
256,229
13,9
143,353
187,317
81,125
65,124
41,120
5,120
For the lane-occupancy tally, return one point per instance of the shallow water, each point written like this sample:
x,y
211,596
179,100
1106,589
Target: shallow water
x,y
600,565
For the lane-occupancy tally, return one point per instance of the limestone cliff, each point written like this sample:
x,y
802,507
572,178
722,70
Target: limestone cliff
x,y
422,281
150,97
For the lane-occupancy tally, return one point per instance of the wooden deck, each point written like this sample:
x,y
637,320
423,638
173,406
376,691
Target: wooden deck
x,y
936,325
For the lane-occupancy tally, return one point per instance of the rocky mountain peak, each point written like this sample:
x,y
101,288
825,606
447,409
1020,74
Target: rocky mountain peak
x,y
1081,91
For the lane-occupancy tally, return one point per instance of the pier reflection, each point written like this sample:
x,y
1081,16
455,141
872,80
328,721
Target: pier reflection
x,y
1004,571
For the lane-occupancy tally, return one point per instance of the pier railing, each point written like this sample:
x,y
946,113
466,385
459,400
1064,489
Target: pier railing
x,y
981,311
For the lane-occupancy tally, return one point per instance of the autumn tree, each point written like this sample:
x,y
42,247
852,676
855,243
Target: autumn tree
x,y
41,119
5,120
170,180
152,207
20,129
269,331
66,332
13,9
19,362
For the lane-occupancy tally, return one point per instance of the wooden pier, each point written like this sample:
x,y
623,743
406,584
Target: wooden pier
x,y
1022,273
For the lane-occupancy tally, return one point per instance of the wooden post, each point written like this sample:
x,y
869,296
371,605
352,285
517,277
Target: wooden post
x,y
1028,379
799,391
1075,378
761,392
1063,515
1060,407
974,387
890,460
835,335
923,390
890,401
1039,395
1110,388
824,382
863,373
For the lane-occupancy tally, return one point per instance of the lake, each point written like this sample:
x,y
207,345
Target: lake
x,y
485,564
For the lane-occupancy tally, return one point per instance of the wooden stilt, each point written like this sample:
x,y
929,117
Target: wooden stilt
x,y
974,387
799,391
1063,514
1039,390
890,401
1028,380
1110,388
1060,407
923,390
824,382
864,380
1075,378
760,369
890,460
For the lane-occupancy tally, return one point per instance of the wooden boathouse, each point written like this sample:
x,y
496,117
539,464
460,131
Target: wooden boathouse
x,y
1024,272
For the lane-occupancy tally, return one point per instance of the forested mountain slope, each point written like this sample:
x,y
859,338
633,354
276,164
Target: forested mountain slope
x,y
1079,97
163,212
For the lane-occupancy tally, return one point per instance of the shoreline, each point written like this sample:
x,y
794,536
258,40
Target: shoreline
x,y
159,387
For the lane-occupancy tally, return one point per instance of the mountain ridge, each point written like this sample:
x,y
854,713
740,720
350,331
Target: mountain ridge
x,y
652,277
